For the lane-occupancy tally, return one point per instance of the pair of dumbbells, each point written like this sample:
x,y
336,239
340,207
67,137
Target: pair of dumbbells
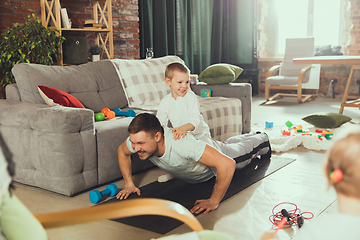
x,y
96,196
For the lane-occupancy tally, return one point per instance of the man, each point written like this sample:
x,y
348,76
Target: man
x,y
187,158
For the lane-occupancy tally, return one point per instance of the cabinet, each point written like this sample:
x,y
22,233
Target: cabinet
x,y
51,15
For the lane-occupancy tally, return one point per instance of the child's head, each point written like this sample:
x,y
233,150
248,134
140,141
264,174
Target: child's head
x,y
345,155
177,77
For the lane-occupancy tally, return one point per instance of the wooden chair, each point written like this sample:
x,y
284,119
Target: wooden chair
x,y
121,209
291,76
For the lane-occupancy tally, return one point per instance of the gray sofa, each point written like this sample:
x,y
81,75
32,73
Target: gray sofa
x,y
63,149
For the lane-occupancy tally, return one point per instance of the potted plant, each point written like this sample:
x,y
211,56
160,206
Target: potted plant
x,y
95,52
27,43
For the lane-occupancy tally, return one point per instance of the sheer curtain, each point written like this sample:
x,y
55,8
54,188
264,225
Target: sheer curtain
x,y
200,32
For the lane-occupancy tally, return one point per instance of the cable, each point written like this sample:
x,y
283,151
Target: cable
x,y
294,216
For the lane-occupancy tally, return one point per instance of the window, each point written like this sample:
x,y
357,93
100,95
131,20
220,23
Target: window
x,y
318,18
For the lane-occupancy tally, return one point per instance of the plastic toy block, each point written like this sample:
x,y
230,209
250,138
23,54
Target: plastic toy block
x,y
318,131
289,124
205,93
328,134
286,133
269,124
328,137
305,134
298,130
320,138
323,134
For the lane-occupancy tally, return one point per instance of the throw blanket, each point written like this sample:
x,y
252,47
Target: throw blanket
x,y
223,115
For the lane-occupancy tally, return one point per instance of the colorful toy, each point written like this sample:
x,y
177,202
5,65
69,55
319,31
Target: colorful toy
x,y
205,93
129,113
269,124
289,124
96,196
110,114
105,110
117,112
100,116
286,133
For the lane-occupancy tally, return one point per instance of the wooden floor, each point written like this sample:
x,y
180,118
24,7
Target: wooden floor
x,y
243,216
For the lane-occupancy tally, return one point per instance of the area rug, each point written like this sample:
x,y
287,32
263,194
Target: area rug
x,y
310,139
186,194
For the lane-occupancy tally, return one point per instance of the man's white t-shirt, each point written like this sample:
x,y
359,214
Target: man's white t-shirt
x,y
181,111
181,158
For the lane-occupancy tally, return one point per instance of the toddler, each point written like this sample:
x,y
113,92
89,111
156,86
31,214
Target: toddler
x,y
181,106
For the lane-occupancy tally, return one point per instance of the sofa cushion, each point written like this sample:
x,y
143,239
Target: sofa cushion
x,y
220,73
326,119
144,80
53,97
96,85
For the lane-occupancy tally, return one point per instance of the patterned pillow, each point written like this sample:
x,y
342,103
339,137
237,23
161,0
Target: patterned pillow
x,y
144,80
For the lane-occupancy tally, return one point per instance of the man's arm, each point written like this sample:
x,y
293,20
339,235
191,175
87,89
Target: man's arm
x,y
124,155
225,167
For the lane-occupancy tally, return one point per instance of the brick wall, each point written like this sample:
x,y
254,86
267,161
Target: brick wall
x,y
124,13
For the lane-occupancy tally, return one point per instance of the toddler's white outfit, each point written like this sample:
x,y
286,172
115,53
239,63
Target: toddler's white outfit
x,y
184,110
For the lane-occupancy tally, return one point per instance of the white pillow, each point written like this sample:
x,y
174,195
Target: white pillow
x,y
144,80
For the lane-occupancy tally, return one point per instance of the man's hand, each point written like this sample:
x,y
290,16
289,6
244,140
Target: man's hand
x,y
205,205
127,191
178,133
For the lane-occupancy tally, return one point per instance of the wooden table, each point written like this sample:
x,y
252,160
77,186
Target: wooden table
x,y
341,59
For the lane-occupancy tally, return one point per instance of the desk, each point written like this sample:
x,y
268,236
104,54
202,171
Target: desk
x,y
340,59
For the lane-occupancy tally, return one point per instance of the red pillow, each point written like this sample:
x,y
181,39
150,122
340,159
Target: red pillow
x,y
53,96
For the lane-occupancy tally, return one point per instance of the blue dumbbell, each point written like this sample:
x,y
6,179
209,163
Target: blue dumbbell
x,y
95,195
129,113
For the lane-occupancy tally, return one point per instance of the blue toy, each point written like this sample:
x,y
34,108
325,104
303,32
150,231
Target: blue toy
x,y
129,113
269,124
95,196
117,112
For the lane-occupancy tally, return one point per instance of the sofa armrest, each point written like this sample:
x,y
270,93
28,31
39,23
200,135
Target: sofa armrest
x,y
53,147
12,92
241,91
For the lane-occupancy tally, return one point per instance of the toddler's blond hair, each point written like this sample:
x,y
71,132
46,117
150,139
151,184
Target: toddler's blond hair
x,y
175,66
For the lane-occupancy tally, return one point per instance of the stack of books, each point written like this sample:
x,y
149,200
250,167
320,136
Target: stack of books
x,y
92,24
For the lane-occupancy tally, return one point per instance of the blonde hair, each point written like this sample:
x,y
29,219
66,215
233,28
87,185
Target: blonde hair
x,y
175,66
345,155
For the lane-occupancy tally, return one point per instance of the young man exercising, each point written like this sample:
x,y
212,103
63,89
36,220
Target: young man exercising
x,y
187,158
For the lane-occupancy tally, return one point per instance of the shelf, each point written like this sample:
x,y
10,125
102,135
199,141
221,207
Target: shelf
x,y
86,29
51,15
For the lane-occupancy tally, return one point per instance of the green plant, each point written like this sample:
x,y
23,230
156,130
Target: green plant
x,y
27,43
